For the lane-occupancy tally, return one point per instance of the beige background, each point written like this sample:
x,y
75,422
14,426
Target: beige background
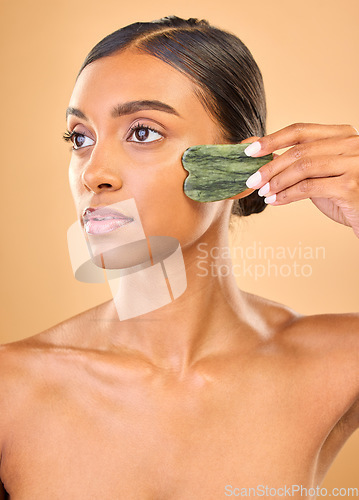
x,y
308,53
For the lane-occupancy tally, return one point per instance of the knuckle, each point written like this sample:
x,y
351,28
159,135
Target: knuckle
x,y
282,195
305,185
303,165
274,184
268,142
267,171
297,152
298,128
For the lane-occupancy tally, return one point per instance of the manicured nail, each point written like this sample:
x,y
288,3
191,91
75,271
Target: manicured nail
x,y
264,190
270,199
254,179
253,148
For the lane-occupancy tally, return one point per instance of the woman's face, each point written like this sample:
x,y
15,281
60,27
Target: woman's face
x,y
133,117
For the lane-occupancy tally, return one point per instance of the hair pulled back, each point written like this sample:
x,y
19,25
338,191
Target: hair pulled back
x,y
227,79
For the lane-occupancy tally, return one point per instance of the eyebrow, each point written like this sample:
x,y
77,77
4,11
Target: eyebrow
x,y
75,112
131,107
128,108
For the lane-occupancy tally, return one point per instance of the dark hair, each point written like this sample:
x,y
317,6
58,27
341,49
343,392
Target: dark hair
x,y
228,80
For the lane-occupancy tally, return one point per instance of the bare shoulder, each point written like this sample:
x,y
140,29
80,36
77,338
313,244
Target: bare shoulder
x,y
39,367
271,315
23,358
30,365
326,343
328,331
330,341
324,349
73,333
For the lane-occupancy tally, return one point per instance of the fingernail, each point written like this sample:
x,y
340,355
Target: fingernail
x,y
254,179
253,148
264,190
270,199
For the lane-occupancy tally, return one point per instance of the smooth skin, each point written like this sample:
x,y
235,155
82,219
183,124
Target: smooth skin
x,y
220,387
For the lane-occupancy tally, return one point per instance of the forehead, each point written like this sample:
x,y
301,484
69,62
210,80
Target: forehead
x,y
131,75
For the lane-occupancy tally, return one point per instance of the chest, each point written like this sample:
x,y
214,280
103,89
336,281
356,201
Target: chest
x,y
161,440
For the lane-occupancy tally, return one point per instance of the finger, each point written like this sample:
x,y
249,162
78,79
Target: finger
x,y
311,167
298,133
304,153
334,188
250,139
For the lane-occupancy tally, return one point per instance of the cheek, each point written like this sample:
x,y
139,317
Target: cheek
x,y
74,183
76,187
165,209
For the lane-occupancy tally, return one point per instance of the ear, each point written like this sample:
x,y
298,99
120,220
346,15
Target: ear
x,y
250,139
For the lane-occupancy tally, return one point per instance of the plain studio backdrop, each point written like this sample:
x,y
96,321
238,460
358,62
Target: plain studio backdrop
x,y
308,54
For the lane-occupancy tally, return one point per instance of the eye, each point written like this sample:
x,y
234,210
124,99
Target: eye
x,y
142,133
81,141
78,140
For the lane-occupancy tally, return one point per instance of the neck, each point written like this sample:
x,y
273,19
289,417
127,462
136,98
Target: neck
x,y
208,317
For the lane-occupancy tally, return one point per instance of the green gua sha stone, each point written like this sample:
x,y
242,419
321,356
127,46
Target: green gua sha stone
x,y
218,171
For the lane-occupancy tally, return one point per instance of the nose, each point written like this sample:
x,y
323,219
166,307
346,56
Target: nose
x,y
102,173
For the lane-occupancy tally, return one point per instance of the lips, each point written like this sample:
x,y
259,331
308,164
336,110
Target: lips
x,y
103,220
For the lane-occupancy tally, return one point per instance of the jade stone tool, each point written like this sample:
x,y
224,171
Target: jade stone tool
x,y
219,171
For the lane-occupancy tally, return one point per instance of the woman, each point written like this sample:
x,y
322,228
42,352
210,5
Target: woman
x,y
219,390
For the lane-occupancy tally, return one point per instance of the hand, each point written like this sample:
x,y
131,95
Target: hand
x,y
322,165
